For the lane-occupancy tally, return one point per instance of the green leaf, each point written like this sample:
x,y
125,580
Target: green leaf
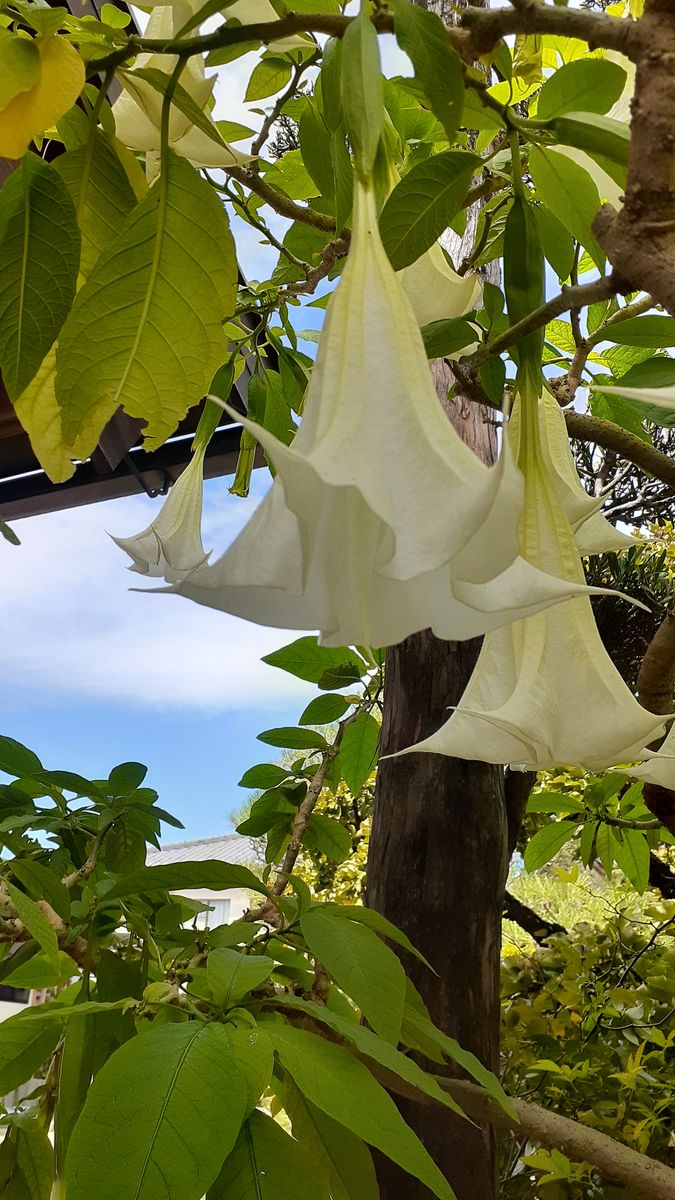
x,y
232,975
622,412
39,259
76,1067
16,759
339,1155
345,675
26,1162
654,373
631,851
585,85
160,1117
547,842
557,242
101,192
41,972
20,67
571,195
8,534
331,83
315,145
649,331
343,1088
423,204
263,775
327,836
267,1164
293,738
36,923
306,659
371,1046
524,278
358,751
24,1047
265,812
153,344
43,884
268,78
447,336
362,90
253,1053
375,920
211,873
126,777
324,710
438,68
367,970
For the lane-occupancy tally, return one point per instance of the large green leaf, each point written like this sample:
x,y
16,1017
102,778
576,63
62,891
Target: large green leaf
x,y
145,331
211,873
367,970
254,1056
39,258
42,884
631,851
308,660
159,1119
437,65
571,195
101,192
339,1155
76,1067
649,331
267,1164
546,843
294,739
375,920
327,836
323,710
362,90
371,1046
586,85
24,1046
16,759
343,1088
358,751
231,974
423,204
36,923
26,1162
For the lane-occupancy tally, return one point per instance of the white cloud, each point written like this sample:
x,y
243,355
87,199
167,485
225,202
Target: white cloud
x,y
71,627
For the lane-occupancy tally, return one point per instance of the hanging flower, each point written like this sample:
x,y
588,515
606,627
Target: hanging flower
x,y
380,520
138,110
544,691
254,12
659,765
435,291
40,80
593,533
171,547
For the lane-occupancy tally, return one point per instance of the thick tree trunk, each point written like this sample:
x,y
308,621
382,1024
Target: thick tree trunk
x,y
439,854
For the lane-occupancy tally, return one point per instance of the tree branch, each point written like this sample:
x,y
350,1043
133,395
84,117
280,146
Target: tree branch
x,y
487,27
647,1177
576,296
620,441
537,927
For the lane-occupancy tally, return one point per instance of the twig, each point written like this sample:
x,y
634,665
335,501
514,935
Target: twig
x,y
570,297
329,256
626,445
298,71
645,1176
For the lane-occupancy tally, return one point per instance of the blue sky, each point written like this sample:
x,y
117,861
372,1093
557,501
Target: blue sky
x,y
95,673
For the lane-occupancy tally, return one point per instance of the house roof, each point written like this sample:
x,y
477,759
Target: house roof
x,y
228,847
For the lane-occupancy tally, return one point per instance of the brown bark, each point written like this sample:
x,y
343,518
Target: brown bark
x,y
437,867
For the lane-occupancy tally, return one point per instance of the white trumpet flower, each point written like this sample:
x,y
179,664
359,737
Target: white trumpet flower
x,y
593,533
138,109
253,12
435,291
659,765
171,547
380,521
544,691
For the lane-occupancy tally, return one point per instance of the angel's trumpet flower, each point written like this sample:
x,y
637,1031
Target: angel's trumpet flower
x,y
138,110
435,291
544,691
171,547
380,521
